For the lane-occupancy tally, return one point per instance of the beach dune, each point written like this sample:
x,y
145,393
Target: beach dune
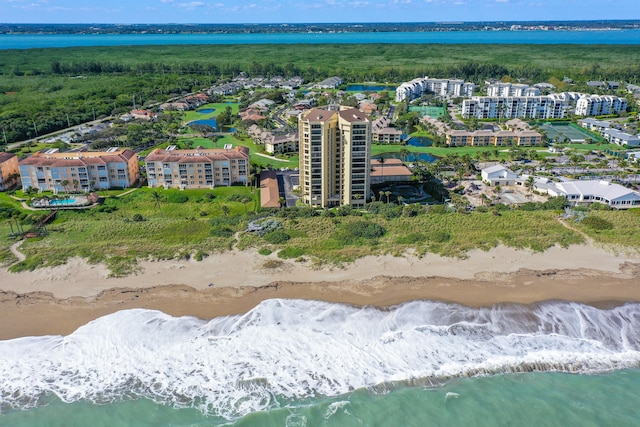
x,y
57,300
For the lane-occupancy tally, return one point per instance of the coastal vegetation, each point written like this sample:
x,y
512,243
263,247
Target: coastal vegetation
x,y
44,90
159,224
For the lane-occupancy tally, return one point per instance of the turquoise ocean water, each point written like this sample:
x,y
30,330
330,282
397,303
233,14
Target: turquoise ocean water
x,y
28,41
310,363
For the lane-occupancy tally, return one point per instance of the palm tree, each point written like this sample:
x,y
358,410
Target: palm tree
x,y
381,193
357,197
387,193
157,197
65,185
530,183
75,184
399,199
244,200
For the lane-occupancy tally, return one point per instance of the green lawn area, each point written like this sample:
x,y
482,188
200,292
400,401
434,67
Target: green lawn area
x,y
191,115
442,151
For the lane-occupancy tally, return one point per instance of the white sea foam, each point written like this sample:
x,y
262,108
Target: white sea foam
x,y
284,349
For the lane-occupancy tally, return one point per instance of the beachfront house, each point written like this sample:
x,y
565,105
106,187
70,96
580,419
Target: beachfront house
x,y
52,170
499,175
198,168
585,192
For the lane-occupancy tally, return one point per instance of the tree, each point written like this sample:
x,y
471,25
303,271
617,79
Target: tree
x,y
530,183
157,198
225,210
244,200
387,193
65,185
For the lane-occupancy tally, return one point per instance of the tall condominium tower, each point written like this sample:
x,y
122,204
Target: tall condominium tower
x,y
335,157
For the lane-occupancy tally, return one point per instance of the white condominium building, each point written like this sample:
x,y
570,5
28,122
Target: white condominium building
x,y
511,89
442,87
335,157
510,107
597,105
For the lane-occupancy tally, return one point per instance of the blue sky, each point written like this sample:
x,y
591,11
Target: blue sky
x,y
295,11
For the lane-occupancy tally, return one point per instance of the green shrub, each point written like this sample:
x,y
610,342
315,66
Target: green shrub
x,y
289,253
265,251
276,237
137,217
177,198
222,231
440,236
411,238
596,223
364,229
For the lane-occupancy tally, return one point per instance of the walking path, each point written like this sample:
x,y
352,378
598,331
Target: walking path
x,y
14,250
272,158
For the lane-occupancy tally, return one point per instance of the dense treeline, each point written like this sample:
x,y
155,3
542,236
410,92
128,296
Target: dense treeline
x,y
43,90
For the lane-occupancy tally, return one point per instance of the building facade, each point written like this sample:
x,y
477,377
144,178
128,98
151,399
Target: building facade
x,y
335,157
56,171
9,170
597,105
198,168
510,107
511,89
461,138
446,88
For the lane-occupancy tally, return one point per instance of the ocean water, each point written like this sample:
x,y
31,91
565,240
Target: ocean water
x,y
28,41
310,363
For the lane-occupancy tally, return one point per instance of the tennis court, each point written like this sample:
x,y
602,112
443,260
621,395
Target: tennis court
x,y
427,110
565,133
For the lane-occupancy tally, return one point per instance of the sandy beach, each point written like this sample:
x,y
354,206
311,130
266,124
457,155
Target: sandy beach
x,y
58,300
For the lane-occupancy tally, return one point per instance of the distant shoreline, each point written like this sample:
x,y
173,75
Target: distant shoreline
x,y
57,300
578,37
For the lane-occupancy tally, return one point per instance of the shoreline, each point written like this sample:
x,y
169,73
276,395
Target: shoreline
x,y
57,300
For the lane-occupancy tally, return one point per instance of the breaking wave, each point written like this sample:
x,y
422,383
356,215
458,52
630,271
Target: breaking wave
x,y
292,349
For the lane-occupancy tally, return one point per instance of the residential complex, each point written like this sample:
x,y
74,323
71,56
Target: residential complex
x,y
555,106
460,138
511,89
335,152
443,87
9,170
596,105
198,168
383,133
79,171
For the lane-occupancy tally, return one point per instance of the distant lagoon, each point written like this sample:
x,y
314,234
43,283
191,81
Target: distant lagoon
x,y
30,41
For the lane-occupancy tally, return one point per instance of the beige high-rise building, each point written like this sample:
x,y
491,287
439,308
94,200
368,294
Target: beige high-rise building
x,y
335,157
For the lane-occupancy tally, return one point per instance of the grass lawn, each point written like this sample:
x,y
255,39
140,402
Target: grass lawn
x,y
440,151
191,115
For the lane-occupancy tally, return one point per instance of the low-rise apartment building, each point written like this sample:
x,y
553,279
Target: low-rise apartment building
x,y
198,168
9,170
56,171
461,138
